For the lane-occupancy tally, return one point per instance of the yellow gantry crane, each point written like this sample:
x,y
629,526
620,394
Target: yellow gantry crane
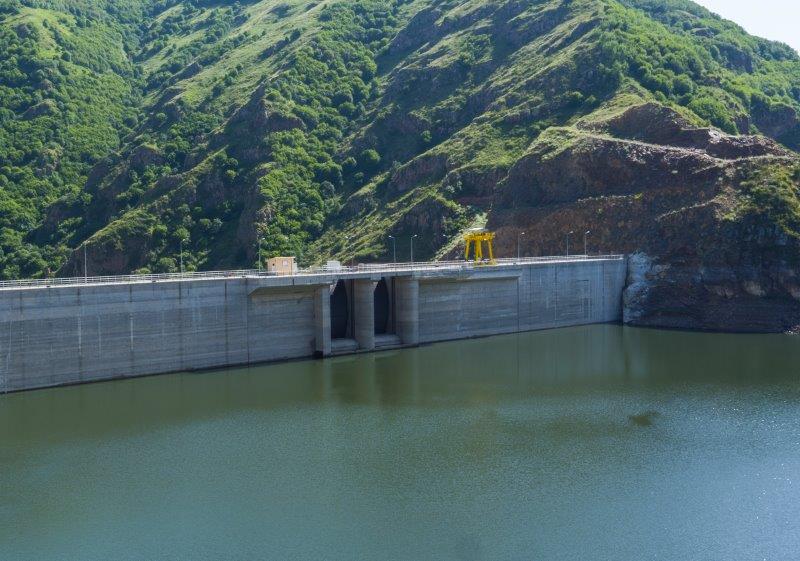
x,y
476,237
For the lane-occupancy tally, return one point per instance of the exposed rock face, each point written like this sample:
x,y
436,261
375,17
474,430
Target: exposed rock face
x,y
675,205
252,122
191,70
258,118
641,270
475,186
433,216
744,296
655,124
595,166
145,155
426,168
779,121
419,30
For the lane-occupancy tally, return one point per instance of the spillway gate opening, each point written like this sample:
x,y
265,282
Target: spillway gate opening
x,y
340,311
382,308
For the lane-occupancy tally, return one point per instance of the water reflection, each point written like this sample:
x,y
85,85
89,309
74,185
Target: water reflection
x,y
565,361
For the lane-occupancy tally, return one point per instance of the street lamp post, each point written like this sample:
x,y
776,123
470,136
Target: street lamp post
x,y
412,248
568,236
585,242
519,235
182,255
394,249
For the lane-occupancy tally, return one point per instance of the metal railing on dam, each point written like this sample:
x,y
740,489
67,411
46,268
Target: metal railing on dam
x,y
344,270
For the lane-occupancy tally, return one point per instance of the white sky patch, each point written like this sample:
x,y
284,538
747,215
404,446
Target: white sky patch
x,y
778,20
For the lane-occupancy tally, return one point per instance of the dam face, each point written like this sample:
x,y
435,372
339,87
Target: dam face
x,y
65,334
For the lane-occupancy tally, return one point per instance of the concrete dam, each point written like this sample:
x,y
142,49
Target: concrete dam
x,y
67,331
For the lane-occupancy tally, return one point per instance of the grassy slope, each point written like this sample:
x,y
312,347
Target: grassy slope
x,y
318,77
395,129
65,96
578,69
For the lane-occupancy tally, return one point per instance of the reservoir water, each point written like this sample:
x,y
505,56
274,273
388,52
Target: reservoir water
x,y
600,442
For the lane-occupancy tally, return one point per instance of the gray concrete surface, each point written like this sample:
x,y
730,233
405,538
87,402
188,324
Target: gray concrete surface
x,y
66,334
322,321
364,311
407,309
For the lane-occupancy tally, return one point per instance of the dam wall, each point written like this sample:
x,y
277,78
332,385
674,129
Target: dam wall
x,y
61,334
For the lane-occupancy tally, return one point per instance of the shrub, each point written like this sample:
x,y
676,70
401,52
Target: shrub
x,y
369,159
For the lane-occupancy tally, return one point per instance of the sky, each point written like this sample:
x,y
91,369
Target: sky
x,y
778,20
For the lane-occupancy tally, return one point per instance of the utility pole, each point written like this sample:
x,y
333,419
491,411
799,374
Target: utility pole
x,y
519,235
412,249
260,239
585,242
182,256
352,255
394,249
85,267
568,236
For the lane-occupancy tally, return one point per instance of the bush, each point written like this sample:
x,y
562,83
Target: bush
x,y
166,265
714,111
369,159
349,163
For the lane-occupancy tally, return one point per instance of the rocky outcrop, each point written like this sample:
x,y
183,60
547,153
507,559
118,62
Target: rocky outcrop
x,y
656,124
419,30
103,255
258,118
168,95
48,161
675,198
192,70
748,296
641,271
41,109
427,168
432,215
145,155
573,167
779,121
250,124
736,58
474,185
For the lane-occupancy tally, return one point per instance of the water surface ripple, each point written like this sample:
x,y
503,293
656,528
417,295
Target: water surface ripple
x,y
597,443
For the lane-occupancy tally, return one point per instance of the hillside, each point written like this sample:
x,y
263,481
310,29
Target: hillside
x,y
322,128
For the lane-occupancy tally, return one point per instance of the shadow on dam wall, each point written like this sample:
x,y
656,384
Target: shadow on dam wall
x,y
551,364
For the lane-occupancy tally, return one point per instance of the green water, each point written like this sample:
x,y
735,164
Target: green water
x,y
516,447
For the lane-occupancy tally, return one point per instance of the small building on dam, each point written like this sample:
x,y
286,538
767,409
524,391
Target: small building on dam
x,y
67,331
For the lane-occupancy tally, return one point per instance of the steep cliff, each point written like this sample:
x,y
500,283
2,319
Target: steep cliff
x,y
136,127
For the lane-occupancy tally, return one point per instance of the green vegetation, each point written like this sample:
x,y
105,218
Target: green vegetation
x,y
772,195
683,54
134,125
67,97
